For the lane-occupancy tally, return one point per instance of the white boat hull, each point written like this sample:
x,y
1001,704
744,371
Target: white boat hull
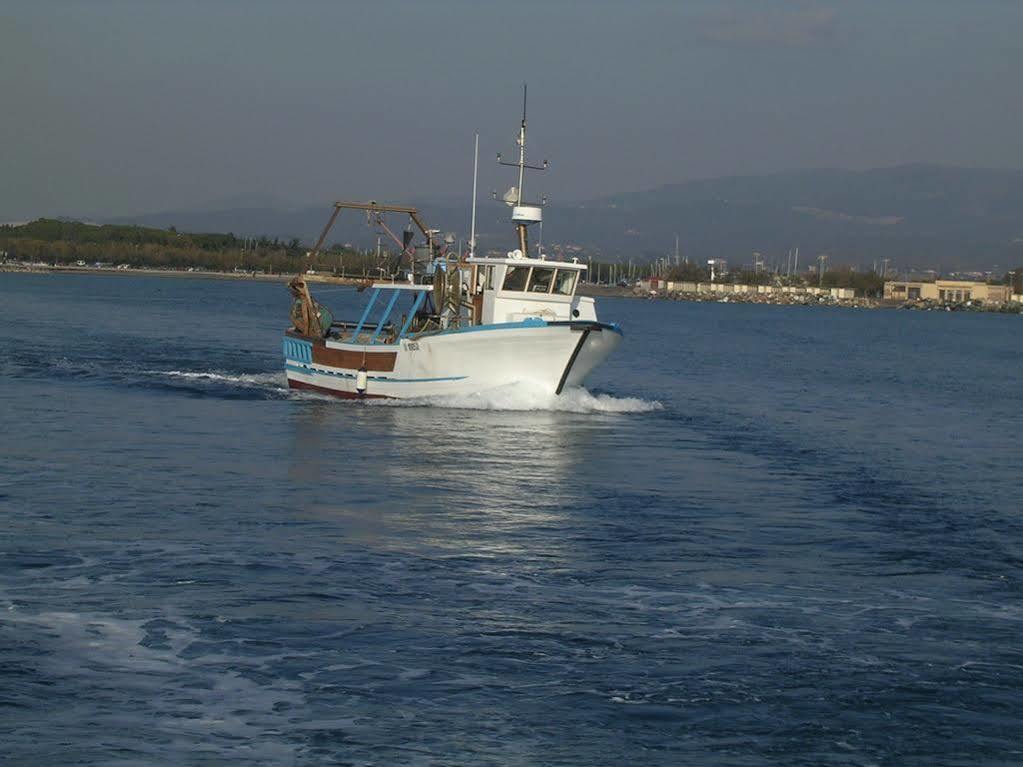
x,y
552,355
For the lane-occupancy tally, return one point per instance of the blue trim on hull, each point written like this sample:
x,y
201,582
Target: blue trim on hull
x,y
302,351
309,371
534,323
537,323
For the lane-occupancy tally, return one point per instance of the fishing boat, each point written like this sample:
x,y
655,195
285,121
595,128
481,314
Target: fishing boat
x,y
451,325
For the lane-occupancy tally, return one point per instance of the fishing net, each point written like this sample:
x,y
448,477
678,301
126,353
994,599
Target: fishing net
x,y
308,316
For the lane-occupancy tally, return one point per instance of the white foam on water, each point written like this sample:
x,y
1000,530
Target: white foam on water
x,y
252,380
186,697
528,396
525,396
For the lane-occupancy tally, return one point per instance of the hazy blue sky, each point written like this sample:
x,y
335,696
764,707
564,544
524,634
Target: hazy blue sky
x,y
127,107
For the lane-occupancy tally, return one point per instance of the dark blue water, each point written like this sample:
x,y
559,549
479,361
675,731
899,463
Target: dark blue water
x,y
767,535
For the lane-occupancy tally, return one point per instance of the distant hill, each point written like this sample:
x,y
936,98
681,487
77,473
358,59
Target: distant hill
x,y
63,241
306,223
921,216
917,215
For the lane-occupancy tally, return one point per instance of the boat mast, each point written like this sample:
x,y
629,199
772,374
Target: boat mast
x,y
521,225
523,214
475,175
522,148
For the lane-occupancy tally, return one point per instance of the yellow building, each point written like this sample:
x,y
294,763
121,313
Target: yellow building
x,y
950,291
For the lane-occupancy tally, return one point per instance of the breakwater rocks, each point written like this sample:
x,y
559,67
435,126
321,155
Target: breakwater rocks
x,y
806,296
928,305
776,297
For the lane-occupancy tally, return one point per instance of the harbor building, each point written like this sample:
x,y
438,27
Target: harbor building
x,y
950,291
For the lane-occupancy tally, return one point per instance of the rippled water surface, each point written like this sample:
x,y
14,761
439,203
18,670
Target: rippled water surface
x,y
763,535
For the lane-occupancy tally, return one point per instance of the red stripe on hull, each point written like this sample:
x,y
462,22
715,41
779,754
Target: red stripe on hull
x,y
293,384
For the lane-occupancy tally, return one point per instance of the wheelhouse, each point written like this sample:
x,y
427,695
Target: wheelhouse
x,y
515,288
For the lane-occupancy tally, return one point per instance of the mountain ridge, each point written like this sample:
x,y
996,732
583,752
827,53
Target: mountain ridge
x,y
918,215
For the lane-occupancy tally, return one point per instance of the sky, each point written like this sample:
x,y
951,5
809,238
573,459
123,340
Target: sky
x,y
118,107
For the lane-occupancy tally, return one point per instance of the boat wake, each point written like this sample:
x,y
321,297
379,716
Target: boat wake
x,y
531,397
271,385
274,385
274,380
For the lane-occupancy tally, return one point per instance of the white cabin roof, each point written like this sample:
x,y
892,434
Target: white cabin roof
x,y
520,261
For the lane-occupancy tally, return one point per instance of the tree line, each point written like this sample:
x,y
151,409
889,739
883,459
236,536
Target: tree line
x,y
67,242
864,283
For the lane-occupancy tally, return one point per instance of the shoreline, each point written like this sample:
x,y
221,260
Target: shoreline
x,y
585,289
282,277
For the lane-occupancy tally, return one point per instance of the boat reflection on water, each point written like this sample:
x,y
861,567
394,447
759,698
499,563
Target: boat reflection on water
x,y
440,480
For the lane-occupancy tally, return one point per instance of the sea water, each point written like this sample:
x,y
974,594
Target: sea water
x,y
760,535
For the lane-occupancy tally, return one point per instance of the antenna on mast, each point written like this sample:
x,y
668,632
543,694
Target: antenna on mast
x,y
523,214
475,174
522,149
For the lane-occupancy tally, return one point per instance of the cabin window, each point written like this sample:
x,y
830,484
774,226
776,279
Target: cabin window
x,y
488,278
516,278
564,281
541,282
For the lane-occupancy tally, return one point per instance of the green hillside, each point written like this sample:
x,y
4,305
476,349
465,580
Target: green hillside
x,y
66,242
